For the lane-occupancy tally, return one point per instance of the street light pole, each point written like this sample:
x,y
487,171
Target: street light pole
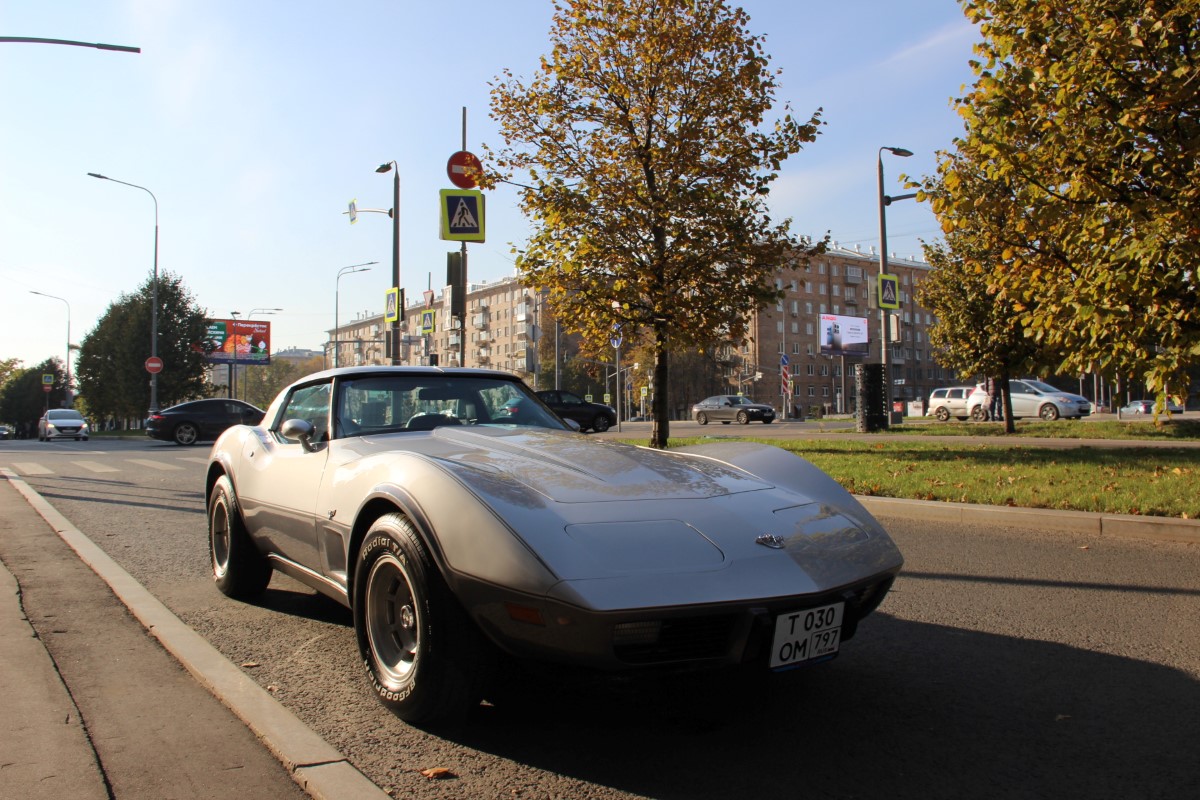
x,y
68,305
885,201
394,334
337,288
153,291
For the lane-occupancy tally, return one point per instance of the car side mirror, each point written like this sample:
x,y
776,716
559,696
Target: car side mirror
x,y
573,425
300,429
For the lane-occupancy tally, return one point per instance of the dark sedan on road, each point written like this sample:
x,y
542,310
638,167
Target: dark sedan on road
x,y
568,405
727,408
200,420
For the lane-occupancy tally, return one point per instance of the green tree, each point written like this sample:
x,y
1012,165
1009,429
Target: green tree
x,y
646,156
1084,116
111,367
976,333
23,398
260,384
9,367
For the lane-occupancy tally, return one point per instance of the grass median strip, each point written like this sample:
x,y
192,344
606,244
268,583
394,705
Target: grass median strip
x,y
1150,481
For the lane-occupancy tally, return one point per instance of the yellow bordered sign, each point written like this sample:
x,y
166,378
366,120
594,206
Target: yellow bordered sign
x,y
463,215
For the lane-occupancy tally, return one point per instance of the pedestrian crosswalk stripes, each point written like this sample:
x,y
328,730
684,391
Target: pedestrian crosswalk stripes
x,y
28,468
145,462
95,466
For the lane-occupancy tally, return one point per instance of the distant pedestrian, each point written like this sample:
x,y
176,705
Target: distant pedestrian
x,y
996,411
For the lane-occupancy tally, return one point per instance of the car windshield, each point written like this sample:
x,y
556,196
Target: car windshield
x,y
63,414
388,403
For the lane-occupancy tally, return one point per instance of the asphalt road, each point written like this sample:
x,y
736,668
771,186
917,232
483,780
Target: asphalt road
x,y
1004,664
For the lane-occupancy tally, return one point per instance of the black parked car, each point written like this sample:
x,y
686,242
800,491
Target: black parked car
x,y
188,423
727,408
590,416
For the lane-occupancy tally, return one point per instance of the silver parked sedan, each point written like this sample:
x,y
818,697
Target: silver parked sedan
x,y
459,533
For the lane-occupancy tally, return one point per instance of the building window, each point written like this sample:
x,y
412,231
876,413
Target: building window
x,y
823,289
821,267
808,328
779,326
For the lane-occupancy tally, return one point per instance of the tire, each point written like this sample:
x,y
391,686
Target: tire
x,y
425,659
942,414
1048,412
185,433
239,570
743,418
979,414
702,418
600,423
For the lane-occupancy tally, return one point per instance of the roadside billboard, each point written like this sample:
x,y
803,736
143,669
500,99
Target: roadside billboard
x,y
238,341
843,336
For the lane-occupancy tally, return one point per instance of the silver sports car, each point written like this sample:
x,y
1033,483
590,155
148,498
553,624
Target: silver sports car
x,y
461,527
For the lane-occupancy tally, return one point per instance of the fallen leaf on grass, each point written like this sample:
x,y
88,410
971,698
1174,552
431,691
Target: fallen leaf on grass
x,y
250,664
438,773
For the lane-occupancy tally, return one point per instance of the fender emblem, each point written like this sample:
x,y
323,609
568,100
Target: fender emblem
x,y
772,541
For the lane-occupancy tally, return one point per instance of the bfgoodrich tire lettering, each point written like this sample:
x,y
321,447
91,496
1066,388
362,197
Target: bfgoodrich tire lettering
x,y
238,568
423,656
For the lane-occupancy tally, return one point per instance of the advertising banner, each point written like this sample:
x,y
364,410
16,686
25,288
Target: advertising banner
x,y
238,341
843,336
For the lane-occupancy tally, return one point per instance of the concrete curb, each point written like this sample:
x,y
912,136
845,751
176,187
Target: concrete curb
x,y
1165,529
318,768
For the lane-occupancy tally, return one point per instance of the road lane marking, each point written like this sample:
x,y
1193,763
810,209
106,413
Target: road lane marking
x,y
95,466
145,462
29,468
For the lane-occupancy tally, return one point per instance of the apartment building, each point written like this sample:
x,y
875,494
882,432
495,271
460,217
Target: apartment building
x,y
502,329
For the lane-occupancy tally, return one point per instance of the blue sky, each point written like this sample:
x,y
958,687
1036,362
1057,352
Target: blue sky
x,y
255,123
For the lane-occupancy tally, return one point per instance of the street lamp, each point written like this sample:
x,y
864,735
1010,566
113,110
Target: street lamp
x,y
153,291
885,201
394,334
68,305
337,288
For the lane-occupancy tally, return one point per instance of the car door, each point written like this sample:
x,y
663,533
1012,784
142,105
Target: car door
x,y
1024,399
572,406
280,478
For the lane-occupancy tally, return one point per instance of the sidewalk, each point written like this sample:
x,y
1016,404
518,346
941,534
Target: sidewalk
x,y
95,707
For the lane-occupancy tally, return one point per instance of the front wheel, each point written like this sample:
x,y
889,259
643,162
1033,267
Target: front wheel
x,y
1049,412
239,570
702,418
186,433
600,424
423,656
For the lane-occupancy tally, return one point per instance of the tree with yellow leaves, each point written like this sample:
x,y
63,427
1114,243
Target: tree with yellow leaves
x,y
646,158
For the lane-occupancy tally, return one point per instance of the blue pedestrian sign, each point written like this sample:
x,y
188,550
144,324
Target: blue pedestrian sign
x,y
783,360
462,212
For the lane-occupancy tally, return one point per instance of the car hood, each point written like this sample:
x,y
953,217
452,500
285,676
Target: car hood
x,y
566,467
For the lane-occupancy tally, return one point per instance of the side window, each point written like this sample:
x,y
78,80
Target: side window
x,y
569,399
310,403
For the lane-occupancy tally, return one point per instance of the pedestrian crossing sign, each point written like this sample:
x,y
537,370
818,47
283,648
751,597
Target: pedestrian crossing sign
x,y
889,291
428,319
462,215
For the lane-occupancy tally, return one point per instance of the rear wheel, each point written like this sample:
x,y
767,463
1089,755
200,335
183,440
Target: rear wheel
x,y
238,568
943,414
1048,412
186,433
702,418
743,418
423,656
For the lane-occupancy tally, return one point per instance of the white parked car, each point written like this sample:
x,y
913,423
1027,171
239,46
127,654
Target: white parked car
x,y
949,401
1033,398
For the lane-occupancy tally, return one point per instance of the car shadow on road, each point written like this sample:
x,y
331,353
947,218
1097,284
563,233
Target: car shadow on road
x,y
909,710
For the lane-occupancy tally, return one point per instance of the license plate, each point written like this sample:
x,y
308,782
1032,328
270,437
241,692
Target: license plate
x,y
807,634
